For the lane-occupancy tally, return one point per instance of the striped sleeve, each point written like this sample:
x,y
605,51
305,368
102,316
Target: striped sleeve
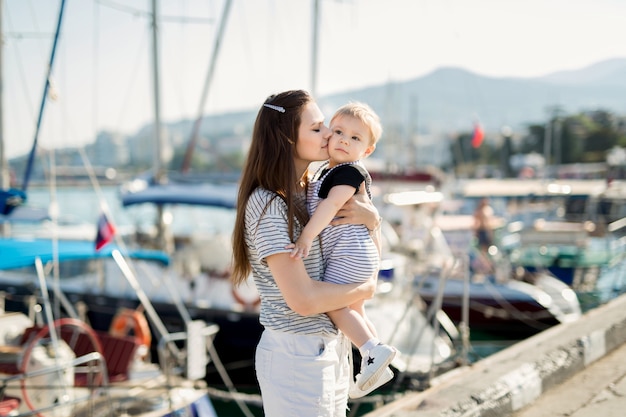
x,y
267,234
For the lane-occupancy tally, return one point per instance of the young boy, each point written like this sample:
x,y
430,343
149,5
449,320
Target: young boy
x,y
348,251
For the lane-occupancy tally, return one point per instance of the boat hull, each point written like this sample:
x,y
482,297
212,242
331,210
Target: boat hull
x,y
235,342
511,310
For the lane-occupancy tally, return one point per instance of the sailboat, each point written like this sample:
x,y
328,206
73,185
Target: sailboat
x,y
11,198
56,360
486,295
43,336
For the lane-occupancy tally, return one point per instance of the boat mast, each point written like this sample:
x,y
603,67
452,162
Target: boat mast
x,y
158,175
11,198
314,47
4,169
158,149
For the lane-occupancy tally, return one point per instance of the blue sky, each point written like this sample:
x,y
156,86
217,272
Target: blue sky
x,y
103,79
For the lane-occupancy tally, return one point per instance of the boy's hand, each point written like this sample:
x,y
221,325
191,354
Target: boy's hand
x,y
299,249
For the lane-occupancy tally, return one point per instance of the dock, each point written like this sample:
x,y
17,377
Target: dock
x,y
517,381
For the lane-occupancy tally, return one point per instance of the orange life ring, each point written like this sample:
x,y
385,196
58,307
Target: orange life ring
x,y
127,319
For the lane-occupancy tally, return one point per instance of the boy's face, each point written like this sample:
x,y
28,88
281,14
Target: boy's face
x,y
350,141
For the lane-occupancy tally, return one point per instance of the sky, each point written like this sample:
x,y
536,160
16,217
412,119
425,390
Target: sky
x,y
102,74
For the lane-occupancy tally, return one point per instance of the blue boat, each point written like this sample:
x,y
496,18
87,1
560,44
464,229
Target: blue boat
x,y
89,368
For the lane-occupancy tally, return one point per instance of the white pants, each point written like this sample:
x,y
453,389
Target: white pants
x,y
303,375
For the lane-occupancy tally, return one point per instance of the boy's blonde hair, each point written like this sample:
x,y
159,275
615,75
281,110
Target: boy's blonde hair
x,y
365,114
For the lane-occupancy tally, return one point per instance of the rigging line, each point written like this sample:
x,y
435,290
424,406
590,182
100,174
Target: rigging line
x,y
119,240
100,194
143,13
88,168
93,178
511,309
96,63
188,19
182,74
134,75
27,35
54,215
123,8
22,73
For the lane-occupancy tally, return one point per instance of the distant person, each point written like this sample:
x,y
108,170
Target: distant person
x,y
483,224
349,251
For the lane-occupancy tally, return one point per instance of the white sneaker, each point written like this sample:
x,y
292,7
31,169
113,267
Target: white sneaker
x,y
355,392
374,364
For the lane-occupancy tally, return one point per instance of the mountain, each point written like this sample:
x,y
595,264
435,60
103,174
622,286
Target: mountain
x,y
610,72
450,99
447,101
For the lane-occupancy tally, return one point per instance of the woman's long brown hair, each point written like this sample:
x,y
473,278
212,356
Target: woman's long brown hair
x,y
270,165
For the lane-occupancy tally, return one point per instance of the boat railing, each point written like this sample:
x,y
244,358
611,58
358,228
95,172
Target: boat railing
x,y
190,362
556,232
92,363
199,341
618,226
547,239
457,266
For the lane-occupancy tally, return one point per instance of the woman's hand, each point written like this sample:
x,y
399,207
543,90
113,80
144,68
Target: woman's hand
x,y
370,286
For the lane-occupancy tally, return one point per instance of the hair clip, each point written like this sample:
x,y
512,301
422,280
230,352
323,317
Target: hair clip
x,y
277,108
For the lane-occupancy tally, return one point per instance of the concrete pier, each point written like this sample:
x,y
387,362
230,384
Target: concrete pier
x,y
509,382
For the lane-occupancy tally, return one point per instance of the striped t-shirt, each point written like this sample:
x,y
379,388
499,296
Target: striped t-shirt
x,y
267,234
348,251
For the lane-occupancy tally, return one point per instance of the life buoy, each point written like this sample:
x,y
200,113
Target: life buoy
x,y
245,303
127,319
246,295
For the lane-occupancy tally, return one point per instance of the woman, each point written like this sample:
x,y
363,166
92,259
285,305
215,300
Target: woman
x,y
301,360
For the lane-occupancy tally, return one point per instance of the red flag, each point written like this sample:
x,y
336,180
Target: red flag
x,y
106,231
477,137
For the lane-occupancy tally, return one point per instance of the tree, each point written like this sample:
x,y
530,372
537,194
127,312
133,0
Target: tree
x,y
583,137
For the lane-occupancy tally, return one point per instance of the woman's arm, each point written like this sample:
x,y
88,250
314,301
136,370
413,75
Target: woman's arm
x,y
306,296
